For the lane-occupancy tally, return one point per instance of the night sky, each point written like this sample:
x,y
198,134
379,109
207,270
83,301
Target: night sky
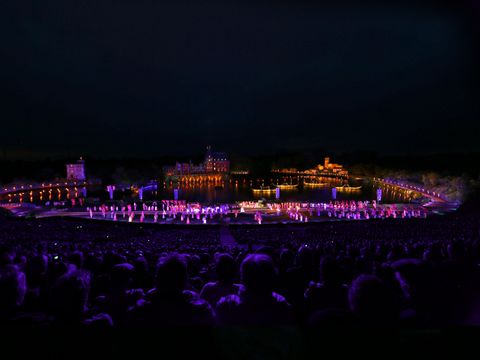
x,y
148,78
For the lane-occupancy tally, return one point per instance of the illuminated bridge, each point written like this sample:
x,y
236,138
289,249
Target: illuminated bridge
x,y
5,190
436,199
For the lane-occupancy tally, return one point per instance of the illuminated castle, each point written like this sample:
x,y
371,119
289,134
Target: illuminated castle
x,y
328,168
76,171
215,163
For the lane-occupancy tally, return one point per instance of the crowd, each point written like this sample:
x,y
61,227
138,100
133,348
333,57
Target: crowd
x,y
186,213
404,273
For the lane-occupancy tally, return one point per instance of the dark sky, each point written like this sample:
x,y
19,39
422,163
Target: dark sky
x,y
151,77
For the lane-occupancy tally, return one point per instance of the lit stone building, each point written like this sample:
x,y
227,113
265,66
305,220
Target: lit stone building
x,y
76,171
216,163
327,169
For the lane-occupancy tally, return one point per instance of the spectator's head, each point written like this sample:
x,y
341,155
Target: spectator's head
x,y
6,256
433,253
193,265
76,259
121,276
391,256
455,251
171,275
305,256
371,301
57,268
258,274
69,295
266,250
38,264
93,262
204,259
329,270
12,288
140,265
286,259
112,258
196,283
225,268
36,270
20,260
412,277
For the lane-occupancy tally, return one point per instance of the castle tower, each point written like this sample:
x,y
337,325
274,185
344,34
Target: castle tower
x,y
76,171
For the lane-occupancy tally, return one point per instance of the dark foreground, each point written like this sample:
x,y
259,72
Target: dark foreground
x,y
78,288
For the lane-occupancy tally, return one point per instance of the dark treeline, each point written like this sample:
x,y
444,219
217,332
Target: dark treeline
x,y
104,169
143,169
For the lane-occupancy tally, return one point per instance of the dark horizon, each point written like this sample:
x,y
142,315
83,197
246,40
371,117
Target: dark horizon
x,y
198,153
447,164
149,79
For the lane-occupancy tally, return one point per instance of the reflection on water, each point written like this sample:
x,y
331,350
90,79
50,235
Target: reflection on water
x,y
234,191
43,196
228,191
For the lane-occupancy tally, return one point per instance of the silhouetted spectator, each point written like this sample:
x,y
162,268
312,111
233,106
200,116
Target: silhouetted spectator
x,y
142,278
256,304
371,302
226,270
13,288
37,282
299,276
120,296
169,304
330,292
68,301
